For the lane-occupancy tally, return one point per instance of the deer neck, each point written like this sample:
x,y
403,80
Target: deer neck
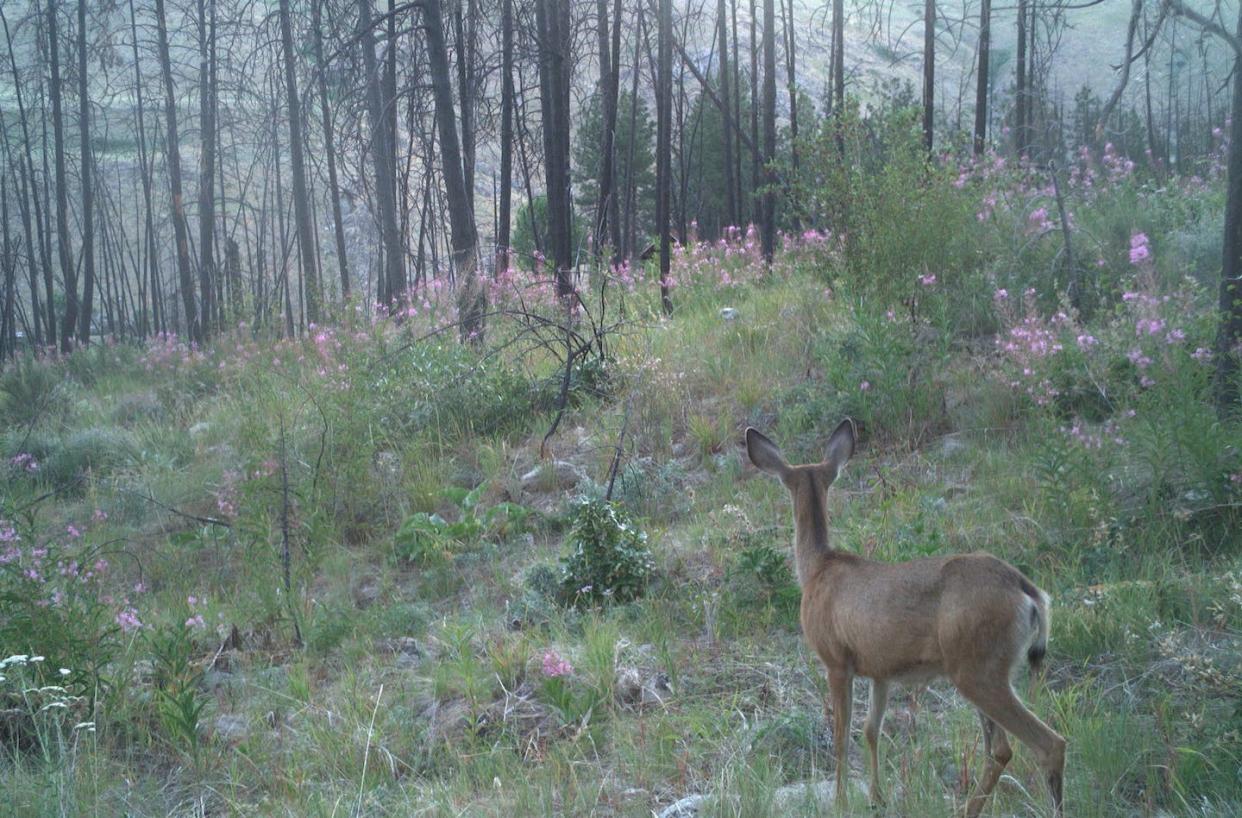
x,y
811,548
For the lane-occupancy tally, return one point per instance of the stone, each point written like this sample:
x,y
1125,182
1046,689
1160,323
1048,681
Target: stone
x,y
728,313
559,474
687,807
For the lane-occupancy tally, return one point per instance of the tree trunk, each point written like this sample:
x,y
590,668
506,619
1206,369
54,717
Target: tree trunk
x,y
180,227
1229,336
554,23
68,270
472,301
838,56
1020,92
768,232
391,277
329,147
664,123
791,66
756,209
726,130
301,197
88,187
929,74
207,165
464,36
608,99
981,86
505,218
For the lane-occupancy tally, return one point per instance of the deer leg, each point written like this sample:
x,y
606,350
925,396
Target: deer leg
x,y
1002,706
871,729
840,687
996,747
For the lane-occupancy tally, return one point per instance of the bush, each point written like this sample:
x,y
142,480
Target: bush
x,y
98,450
57,601
609,560
29,392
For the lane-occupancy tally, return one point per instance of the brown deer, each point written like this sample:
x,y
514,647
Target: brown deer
x,y
971,618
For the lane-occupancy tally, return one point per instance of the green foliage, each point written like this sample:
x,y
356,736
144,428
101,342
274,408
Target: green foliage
x,y
31,389
609,560
452,390
55,600
95,451
532,216
429,539
635,135
179,699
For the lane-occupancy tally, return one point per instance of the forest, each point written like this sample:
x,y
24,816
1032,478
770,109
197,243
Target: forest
x,y
385,391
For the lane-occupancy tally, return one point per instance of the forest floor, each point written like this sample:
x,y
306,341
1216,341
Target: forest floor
x,y
416,659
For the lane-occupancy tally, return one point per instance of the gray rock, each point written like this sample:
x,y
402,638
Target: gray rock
x,y
728,313
231,728
559,474
687,807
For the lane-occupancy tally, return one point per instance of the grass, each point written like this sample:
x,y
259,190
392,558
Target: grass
x,y
386,680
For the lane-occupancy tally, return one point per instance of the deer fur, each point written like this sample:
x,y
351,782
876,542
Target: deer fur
x,y
972,618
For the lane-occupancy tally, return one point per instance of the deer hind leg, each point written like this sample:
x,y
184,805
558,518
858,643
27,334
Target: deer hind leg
x,y
871,729
999,703
841,698
996,747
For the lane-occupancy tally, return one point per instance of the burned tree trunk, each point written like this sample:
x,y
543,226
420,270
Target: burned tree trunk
x,y
180,228
471,297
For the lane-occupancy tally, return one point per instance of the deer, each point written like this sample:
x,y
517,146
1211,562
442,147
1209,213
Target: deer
x,y
971,618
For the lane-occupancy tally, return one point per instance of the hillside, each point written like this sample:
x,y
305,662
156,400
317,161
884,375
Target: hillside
x,y
333,575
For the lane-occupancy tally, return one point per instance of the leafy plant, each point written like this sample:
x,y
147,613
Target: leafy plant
x,y
609,560
430,538
178,698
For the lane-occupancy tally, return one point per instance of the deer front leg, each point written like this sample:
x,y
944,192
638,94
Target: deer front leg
x,y
840,692
872,730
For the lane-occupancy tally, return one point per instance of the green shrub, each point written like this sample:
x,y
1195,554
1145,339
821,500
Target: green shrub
x,y
609,560
31,390
97,450
58,600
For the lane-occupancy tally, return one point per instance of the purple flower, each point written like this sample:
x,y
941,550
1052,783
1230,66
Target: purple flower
x,y
555,665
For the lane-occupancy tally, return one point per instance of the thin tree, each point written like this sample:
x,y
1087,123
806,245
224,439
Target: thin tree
x,y
207,164
768,228
981,85
726,131
471,297
88,187
329,145
664,122
505,218
68,270
1020,90
929,73
180,228
392,275
301,197
1229,333
554,25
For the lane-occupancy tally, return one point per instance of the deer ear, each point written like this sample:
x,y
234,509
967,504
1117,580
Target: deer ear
x,y
764,454
840,446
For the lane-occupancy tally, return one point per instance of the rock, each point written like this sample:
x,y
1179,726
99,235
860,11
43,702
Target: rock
x,y
559,474
231,728
787,799
407,651
728,313
628,685
657,690
366,593
687,807
199,429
